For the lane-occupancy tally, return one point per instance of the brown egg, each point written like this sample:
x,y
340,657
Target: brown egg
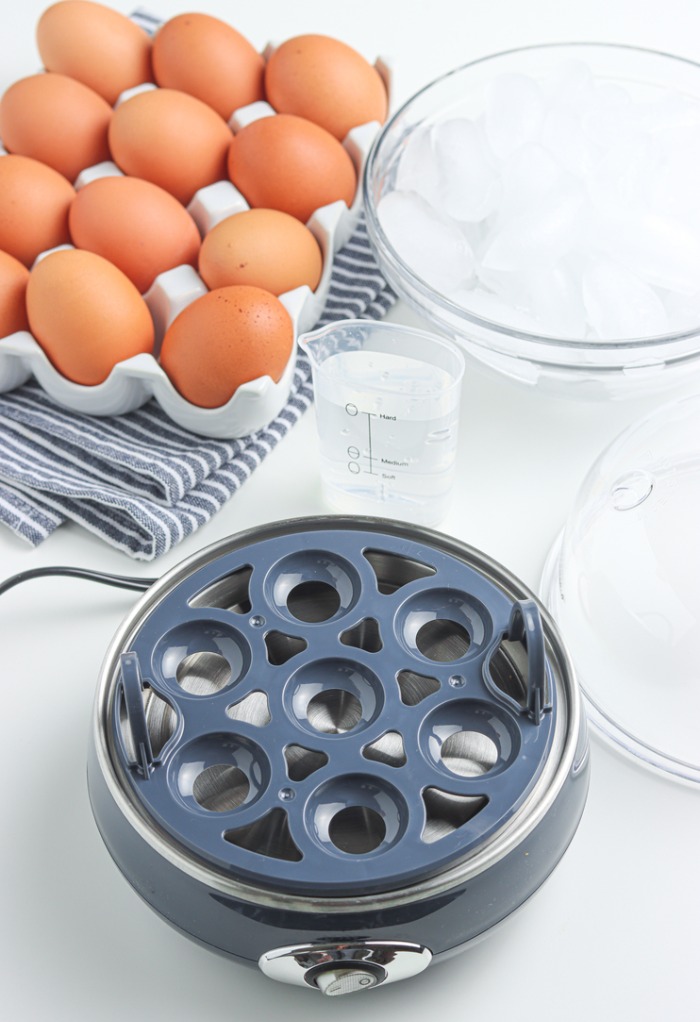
x,y
286,162
13,285
226,338
138,226
57,120
34,204
97,46
326,81
261,247
86,315
171,139
208,59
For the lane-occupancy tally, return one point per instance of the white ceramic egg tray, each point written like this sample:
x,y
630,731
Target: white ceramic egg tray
x,y
136,380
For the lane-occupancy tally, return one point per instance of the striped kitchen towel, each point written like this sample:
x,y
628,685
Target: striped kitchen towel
x,y
138,480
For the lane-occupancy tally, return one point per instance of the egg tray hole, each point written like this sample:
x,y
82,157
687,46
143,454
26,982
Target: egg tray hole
x,y
443,640
445,812
231,593
281,647
334,711
313,601
221,788
357,830
203,674
393,571
269,836
414,687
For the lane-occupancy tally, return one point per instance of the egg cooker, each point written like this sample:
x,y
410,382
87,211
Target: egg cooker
x,y
337,749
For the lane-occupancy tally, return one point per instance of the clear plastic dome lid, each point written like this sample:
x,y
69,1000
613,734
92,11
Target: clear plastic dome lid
x,y
623,583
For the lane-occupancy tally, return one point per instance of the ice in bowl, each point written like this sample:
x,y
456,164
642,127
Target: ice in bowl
x,y
542,207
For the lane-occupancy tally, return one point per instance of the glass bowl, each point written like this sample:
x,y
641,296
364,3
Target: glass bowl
x,y
575,367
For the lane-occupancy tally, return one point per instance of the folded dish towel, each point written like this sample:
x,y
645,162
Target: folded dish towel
x,y
138,480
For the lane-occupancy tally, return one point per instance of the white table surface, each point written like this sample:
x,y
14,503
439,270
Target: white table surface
x,y
614,934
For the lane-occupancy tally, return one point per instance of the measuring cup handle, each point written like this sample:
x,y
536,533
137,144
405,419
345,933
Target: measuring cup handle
x,y
525,626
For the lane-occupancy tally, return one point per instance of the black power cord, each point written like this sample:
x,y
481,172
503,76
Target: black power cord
x,y
118,581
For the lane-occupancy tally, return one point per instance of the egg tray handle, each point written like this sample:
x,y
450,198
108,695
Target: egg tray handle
x,y
525,626
132,687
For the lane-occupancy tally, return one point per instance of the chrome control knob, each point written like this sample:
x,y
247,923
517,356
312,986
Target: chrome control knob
x,y
337,969
336,982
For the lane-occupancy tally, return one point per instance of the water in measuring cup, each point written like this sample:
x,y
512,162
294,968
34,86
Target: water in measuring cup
x,y
388,435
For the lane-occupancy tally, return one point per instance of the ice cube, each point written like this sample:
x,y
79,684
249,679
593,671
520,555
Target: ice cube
x,y
621,178
621,305
663,251
513,114
683,311
607,120
529,175
672,187
511,286
475,233
470,188
569,84
492,308
556,301
550,297
418,169
669,110
430,243
539,236
563,136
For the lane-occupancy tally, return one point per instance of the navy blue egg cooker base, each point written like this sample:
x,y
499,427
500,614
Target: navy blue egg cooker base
x,y
337,748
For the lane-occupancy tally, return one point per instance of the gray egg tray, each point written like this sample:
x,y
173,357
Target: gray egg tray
x,y
335,710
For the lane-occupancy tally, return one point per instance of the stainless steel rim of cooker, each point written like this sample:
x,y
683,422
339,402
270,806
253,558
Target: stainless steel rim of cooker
x,y
543,795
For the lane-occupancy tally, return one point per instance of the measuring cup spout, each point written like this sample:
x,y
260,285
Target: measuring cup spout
x,y
329,340
312,345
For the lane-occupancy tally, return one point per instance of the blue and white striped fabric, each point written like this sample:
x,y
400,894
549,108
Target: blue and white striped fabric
x,y
138,480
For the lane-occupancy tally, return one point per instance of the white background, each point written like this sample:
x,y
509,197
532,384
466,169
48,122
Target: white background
x,y
614,933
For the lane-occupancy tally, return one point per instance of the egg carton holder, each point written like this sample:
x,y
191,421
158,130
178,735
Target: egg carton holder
x,y
136,380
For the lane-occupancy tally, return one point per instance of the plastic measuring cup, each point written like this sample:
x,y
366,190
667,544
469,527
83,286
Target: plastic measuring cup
x,y
387,411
